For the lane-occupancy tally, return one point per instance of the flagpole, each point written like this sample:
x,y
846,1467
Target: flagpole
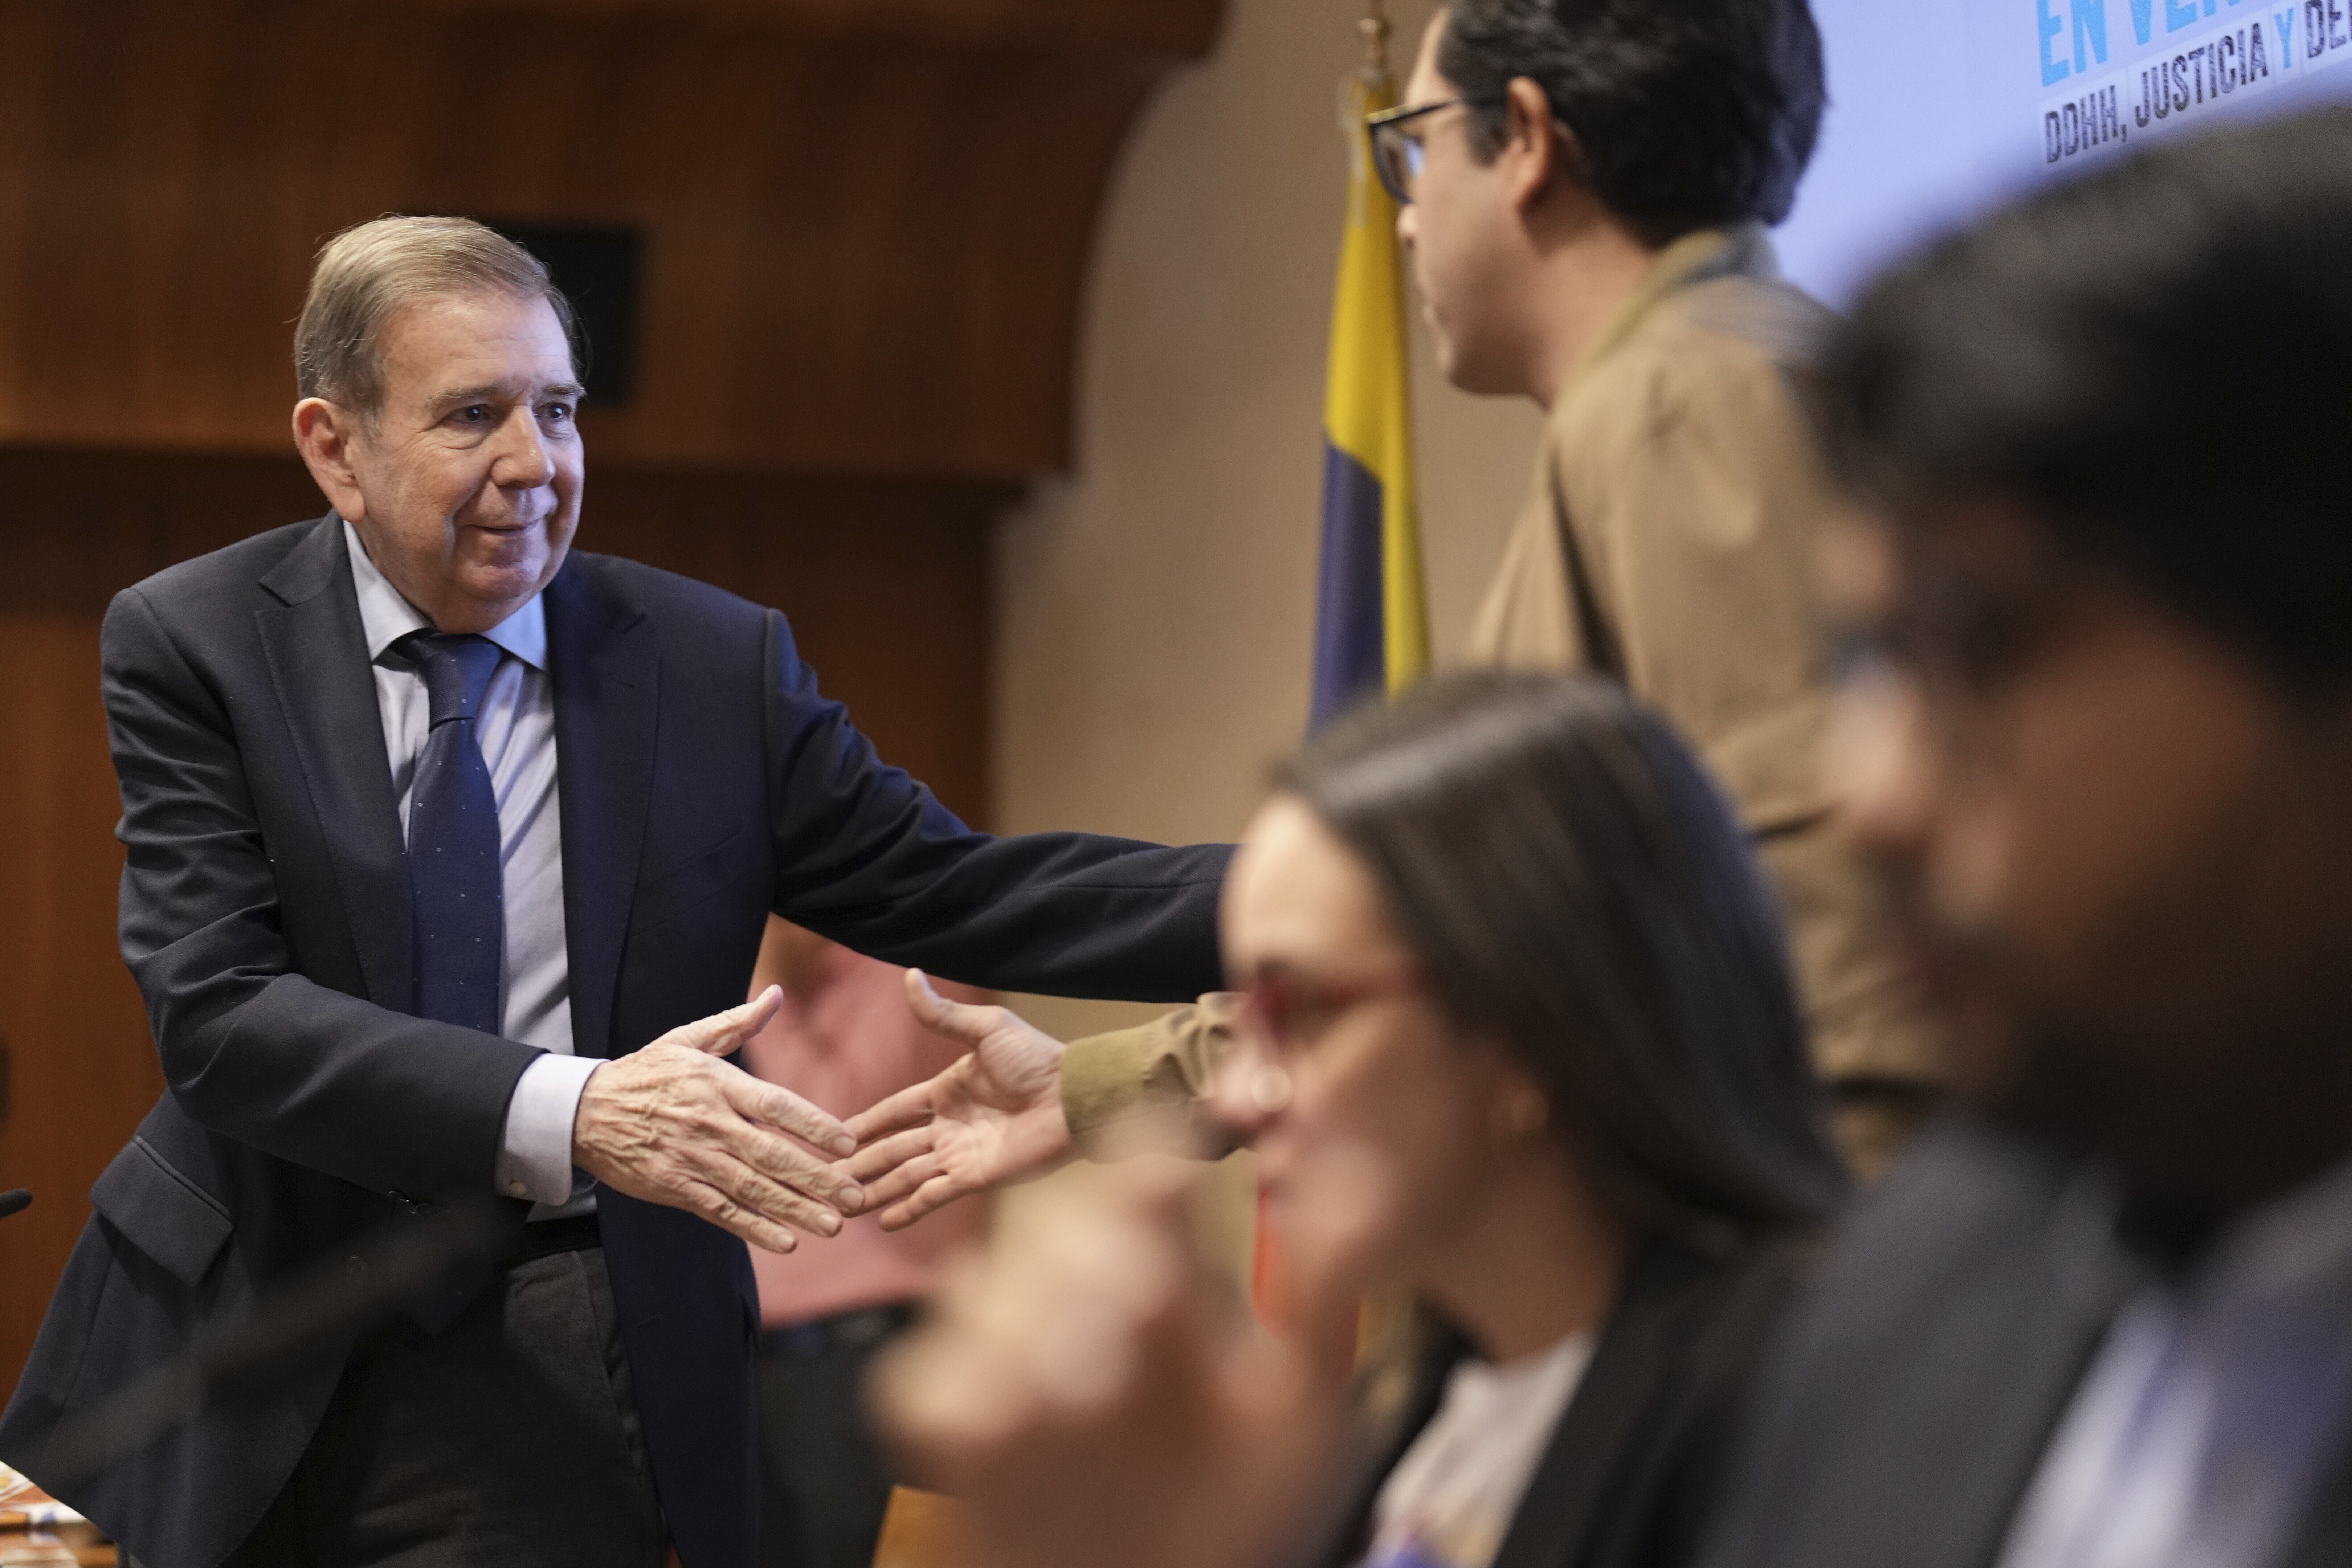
x,y
1371,631
1374,29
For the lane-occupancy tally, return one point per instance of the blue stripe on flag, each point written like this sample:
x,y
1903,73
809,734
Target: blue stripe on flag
x,y
1351,644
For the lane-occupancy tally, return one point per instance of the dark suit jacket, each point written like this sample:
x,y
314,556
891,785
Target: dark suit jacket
x,y
1635,1468
704,782
1917,1390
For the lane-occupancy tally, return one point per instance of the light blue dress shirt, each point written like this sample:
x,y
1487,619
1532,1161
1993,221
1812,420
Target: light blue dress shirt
x,y
516,728
2213,1409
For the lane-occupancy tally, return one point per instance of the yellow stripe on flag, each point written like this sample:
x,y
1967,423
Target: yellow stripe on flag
x,y
1368,416
1366,410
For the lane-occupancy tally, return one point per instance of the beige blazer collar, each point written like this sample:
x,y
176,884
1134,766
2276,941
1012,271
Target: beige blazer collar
x,y
1743,250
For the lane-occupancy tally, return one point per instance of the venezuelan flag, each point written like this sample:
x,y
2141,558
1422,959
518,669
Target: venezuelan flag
x,y
1371,622
1372,615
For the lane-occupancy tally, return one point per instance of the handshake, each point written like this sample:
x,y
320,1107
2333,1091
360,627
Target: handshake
x,y
673,1124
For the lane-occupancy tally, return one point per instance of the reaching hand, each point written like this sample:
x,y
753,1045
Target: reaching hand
x,y
673,1124
993,1119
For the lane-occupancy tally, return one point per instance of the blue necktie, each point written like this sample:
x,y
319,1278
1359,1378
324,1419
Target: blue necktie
x,y
454,878
457,889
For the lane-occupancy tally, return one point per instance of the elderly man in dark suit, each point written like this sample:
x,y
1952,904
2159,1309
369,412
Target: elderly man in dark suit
x,y
432,826
2108,753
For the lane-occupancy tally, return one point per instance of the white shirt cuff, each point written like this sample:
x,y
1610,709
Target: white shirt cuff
x,y
535,1151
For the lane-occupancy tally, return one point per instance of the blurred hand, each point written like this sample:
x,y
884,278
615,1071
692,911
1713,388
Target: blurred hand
x,y
1096,1393
673,1124
992,1120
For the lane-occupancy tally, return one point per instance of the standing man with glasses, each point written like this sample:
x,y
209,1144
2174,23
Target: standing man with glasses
x,y
1585,186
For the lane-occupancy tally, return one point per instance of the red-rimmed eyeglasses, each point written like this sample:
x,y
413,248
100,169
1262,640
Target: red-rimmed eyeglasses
x,y
1290,1012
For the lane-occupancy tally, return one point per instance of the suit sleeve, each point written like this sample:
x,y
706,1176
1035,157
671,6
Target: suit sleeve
x,y
865,856
251,1047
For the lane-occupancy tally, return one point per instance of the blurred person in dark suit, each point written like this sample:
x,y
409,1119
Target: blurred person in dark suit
x,y
2104,745
1520,1040
444,838
842,1037
1585,186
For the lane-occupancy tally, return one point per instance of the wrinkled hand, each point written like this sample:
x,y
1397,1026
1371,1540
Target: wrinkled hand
x,y
993,1119
673,1124
1095,1391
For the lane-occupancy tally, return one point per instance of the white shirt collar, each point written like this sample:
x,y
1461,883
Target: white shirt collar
x,y
387,615
2300,1243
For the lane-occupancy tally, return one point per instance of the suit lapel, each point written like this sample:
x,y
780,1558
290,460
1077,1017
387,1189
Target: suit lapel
x,y
607,671
317,652
1630,1366
2322,1537
1342,1540
1573,1480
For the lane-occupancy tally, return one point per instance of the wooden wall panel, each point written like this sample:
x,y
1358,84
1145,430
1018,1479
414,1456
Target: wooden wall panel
x,y
1171,28
865,239
884,581
80,1071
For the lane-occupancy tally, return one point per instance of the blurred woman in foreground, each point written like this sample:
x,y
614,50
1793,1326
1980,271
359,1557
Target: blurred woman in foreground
x,y
1520,1040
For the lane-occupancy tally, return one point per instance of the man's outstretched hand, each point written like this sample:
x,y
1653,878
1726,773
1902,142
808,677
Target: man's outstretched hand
x,y
993,1119
673,1124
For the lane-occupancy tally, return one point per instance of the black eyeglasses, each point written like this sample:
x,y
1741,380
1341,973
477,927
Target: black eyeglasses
x,y
1397,152
1397,149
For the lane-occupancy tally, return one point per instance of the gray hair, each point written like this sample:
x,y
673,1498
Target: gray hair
x,y
368,272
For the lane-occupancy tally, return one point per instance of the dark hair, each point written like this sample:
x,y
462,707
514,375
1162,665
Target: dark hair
x,y
1690,113
1575,889
2154,362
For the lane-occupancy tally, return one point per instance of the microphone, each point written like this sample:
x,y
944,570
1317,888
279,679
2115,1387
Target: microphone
x,y
292,1327
15,1201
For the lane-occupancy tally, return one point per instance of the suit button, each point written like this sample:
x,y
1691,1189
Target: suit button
x,y
355,1267
517,1188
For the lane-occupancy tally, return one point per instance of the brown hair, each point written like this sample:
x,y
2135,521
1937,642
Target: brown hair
x,y
1576,889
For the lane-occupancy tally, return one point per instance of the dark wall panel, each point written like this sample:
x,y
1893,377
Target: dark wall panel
x,y
864,222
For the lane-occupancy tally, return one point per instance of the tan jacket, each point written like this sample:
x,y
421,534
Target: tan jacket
x,y
1669,539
